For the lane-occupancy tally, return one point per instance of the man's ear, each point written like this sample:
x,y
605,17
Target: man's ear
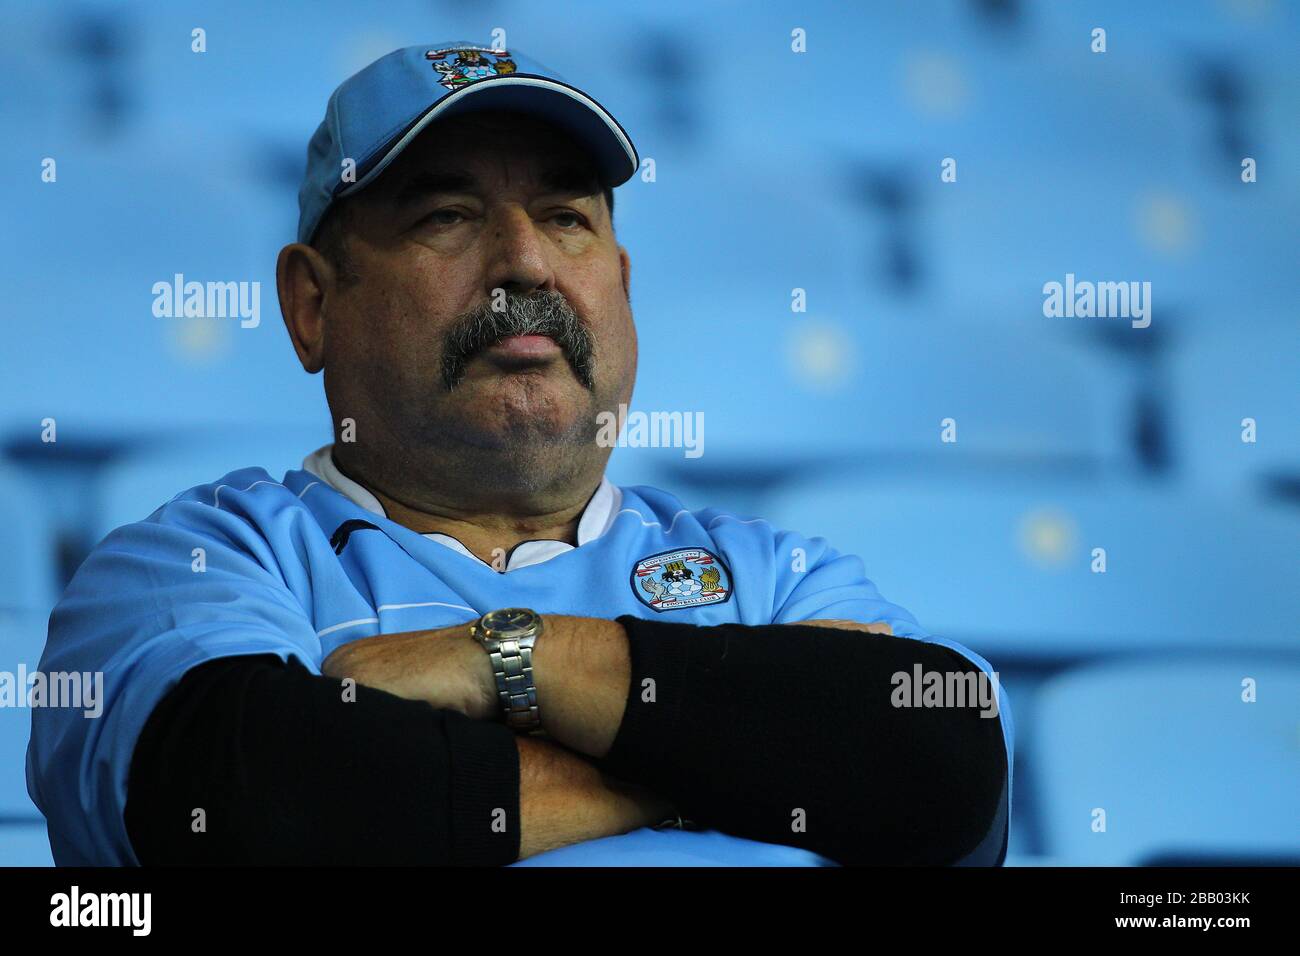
x,y
303,278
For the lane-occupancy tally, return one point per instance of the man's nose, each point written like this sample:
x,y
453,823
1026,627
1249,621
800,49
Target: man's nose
x,y
517,253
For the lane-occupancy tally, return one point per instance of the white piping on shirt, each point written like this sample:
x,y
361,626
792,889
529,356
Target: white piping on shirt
x,y
391,607
216,495
338,627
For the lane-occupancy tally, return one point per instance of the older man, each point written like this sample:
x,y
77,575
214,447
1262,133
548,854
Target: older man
x,y
449,638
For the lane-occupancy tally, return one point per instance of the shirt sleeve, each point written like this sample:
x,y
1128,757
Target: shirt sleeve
x,y
192,584
820,582
788,735
255,760
794,735
815,581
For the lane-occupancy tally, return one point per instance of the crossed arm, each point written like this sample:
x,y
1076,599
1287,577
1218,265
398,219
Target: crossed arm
x,y
787,734
582,670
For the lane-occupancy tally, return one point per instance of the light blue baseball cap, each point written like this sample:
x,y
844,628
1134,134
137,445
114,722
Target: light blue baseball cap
x,y
376,113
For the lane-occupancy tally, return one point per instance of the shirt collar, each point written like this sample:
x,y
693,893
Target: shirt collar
x,y
595,521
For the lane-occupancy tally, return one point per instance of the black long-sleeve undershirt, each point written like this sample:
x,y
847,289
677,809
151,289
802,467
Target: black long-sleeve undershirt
x,y
747,726
750,724
288,772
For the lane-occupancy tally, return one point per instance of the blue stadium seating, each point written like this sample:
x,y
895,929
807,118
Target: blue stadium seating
x,y
841,384
28,580
25,844
139,482
1222,377
164,370
22,641
1009,568
1185,771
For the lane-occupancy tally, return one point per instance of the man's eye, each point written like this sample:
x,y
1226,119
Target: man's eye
x,y
444,217
576,219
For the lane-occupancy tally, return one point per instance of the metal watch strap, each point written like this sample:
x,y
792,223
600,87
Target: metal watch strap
x,y
508,635
513,666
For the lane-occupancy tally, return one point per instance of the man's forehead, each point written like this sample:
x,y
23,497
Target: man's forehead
x,y
452,178
458,153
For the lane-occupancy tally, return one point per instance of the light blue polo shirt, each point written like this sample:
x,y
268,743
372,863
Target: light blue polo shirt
x,y
297,567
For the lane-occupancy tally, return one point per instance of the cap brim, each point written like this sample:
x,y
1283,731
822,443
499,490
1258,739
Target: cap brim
x,y
569,108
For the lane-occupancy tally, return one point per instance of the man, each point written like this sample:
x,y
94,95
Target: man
x,y
449,638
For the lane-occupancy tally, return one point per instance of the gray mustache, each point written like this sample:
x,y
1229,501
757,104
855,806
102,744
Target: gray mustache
x,y
545,313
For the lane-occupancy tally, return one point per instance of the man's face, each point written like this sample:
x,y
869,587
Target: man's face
x,y
485,210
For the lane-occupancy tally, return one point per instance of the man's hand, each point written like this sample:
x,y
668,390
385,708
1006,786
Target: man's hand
x,y
445,667
581,667
583,661
563,799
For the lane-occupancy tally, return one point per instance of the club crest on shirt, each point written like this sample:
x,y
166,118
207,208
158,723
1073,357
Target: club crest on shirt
x,y
463,65
687,577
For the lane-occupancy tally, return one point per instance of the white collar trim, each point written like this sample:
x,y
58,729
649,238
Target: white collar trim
x,y
595,521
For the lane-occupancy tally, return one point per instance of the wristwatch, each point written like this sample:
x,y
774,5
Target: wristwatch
x,y
508,635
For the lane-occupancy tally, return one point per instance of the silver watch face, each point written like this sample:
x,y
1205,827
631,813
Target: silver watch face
x,y
510,622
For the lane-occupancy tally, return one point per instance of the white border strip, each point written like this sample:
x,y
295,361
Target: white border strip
x,y
460,94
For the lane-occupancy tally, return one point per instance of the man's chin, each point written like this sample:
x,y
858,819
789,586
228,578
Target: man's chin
x,y
515,415
525,385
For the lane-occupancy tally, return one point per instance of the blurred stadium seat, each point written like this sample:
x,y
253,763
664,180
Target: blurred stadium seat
x,y
25,844
22,641
28,575
1229,374
146,477
844,385
77,296
1185,771
1009,568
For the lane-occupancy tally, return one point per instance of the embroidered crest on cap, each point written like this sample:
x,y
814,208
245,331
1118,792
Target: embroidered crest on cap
x,y
687,577
460,66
